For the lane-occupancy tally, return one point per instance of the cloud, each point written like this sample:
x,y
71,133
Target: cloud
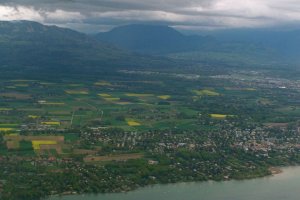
x,y
19,12
8,13
188,14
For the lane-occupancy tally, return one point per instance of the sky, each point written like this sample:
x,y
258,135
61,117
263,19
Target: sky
x,y
186,15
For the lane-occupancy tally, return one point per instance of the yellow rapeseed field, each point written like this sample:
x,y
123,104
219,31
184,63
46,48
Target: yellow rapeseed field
x,y
51,123
112,99
133,123
36,143
104,95
220,116
206,93
33,116
138,95
6,129
164,97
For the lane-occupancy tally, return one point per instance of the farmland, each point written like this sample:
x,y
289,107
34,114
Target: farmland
x,y
143,101
100,103
143,127
108,103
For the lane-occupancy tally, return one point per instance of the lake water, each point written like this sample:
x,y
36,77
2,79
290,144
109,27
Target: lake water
x,y
284,186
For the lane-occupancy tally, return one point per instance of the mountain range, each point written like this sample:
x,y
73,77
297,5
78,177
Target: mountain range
x,y
254,44
27,44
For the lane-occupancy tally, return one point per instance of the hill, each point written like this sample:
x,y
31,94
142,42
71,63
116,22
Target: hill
x,y
153,39
261,46
163,40
31,45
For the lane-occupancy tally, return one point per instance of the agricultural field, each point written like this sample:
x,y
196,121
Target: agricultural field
x,y
141,102
153,123
121,157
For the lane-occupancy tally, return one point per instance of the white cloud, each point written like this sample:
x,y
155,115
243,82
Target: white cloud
x,y
8,13
62,16
19,13
196,14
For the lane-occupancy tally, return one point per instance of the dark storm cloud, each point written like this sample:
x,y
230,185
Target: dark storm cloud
x,y
94,15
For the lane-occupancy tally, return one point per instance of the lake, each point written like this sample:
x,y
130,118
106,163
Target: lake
x,y
284,186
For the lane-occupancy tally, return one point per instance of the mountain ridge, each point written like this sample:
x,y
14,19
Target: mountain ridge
x,y
271,45
153,39
34,45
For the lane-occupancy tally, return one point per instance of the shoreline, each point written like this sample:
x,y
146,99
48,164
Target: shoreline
x,y
275,170
274,189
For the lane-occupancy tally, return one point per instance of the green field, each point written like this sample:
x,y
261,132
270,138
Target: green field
x,y
164,125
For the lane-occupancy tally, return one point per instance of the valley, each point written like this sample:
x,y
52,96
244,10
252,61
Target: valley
x,y
132,128
117,111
